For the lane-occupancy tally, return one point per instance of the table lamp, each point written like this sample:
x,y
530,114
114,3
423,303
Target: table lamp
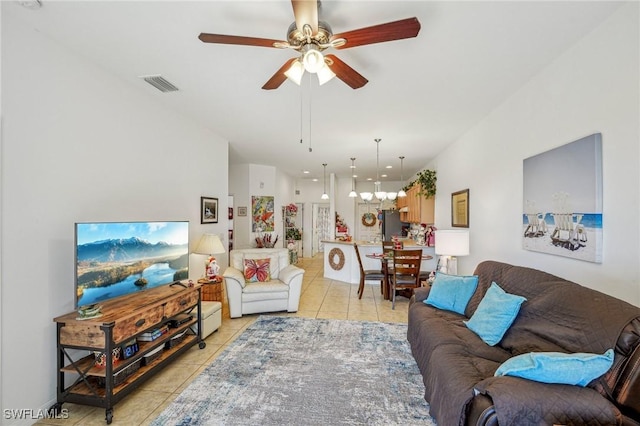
x,y
209,245
451,243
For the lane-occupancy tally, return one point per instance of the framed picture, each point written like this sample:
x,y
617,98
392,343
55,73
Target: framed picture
x,y
562,206
208,210
242,211
460,209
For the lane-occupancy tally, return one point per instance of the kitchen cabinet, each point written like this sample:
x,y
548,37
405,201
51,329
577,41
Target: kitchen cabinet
x,y
415,208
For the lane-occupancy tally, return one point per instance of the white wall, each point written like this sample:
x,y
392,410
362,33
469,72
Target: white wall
x,y
239,188
79,145
593,87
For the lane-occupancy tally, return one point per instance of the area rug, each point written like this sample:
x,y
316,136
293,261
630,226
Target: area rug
x,y
300,371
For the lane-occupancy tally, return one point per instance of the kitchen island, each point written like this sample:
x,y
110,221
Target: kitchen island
x,y
341,263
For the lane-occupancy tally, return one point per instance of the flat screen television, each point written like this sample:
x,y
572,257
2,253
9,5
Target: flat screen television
x,y
114,259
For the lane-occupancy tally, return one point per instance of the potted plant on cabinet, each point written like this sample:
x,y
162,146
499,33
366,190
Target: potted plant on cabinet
x,y
427,181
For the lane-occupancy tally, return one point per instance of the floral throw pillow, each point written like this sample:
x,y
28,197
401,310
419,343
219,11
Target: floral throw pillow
x,y
257,270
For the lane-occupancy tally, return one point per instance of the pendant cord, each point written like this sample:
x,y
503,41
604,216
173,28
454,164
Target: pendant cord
x,y
310,115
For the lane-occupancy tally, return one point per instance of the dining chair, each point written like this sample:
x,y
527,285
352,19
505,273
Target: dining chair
x,y
369,274
406,271
387,266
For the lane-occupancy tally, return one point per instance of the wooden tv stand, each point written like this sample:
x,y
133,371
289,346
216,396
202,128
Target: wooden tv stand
x,y
123,319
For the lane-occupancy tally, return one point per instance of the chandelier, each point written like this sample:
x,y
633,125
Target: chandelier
x,y
379,193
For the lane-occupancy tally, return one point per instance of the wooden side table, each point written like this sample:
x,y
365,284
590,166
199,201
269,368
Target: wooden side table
x,y
211,290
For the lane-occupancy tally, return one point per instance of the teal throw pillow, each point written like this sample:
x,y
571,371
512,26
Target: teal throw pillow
x,y
495,314
554,367
452,292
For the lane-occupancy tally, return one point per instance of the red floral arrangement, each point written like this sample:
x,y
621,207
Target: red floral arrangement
x,y
292,208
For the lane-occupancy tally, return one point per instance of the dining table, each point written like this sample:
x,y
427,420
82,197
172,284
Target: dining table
x,y
384,258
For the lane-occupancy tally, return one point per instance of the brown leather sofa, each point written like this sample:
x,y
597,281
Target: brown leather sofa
x,y
558,316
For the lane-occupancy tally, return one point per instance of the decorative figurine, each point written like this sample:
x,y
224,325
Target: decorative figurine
x,y
212,268
431,236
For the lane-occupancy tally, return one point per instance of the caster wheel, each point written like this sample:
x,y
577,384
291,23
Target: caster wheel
x,y
109,416
202,345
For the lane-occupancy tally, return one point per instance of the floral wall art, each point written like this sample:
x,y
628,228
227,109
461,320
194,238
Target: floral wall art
x,y
563,200
262,209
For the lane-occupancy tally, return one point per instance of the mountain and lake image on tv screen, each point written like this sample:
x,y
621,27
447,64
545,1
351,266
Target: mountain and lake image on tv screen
x,y
118,258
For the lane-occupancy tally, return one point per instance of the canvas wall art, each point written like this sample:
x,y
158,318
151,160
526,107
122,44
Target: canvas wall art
x,y
262,209
563,200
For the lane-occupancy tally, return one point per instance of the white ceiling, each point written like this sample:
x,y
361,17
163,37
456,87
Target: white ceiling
x,y
422,94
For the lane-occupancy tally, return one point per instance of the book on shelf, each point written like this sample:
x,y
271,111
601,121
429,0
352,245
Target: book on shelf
x,y
152,335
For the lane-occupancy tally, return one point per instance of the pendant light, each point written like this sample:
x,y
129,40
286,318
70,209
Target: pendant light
x,y
380,195
353,193
401,193
324,194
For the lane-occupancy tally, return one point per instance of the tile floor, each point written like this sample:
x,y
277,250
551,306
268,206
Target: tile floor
x,y
321,298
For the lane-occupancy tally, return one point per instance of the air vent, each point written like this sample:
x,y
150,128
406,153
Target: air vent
x,y
159,82
31,4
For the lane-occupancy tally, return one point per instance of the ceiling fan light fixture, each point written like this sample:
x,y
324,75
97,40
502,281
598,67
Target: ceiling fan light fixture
x,y
325,74
295,72
312,59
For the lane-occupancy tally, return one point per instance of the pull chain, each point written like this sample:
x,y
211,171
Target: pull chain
x,y
310,115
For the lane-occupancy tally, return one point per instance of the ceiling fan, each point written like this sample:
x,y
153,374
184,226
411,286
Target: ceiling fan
x,y
310,37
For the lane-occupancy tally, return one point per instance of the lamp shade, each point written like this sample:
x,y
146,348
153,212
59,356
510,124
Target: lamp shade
x,y
366,196
325,74
312,59
380,195
451,242
295,72
209,244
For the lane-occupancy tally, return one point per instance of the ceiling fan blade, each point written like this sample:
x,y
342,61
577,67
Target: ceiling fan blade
x,y
278,78
345,73
397,30
306,12
243,41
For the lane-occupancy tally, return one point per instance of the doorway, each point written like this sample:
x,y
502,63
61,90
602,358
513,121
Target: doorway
x,y
321,225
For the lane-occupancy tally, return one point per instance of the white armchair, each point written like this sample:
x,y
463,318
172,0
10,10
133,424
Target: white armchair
x,y
280,293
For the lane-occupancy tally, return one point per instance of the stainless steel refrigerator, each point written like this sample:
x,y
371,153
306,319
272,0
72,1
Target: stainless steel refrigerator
x,y
391,225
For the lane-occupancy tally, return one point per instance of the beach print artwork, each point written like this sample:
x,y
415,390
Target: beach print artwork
x,y
262,209
563,200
